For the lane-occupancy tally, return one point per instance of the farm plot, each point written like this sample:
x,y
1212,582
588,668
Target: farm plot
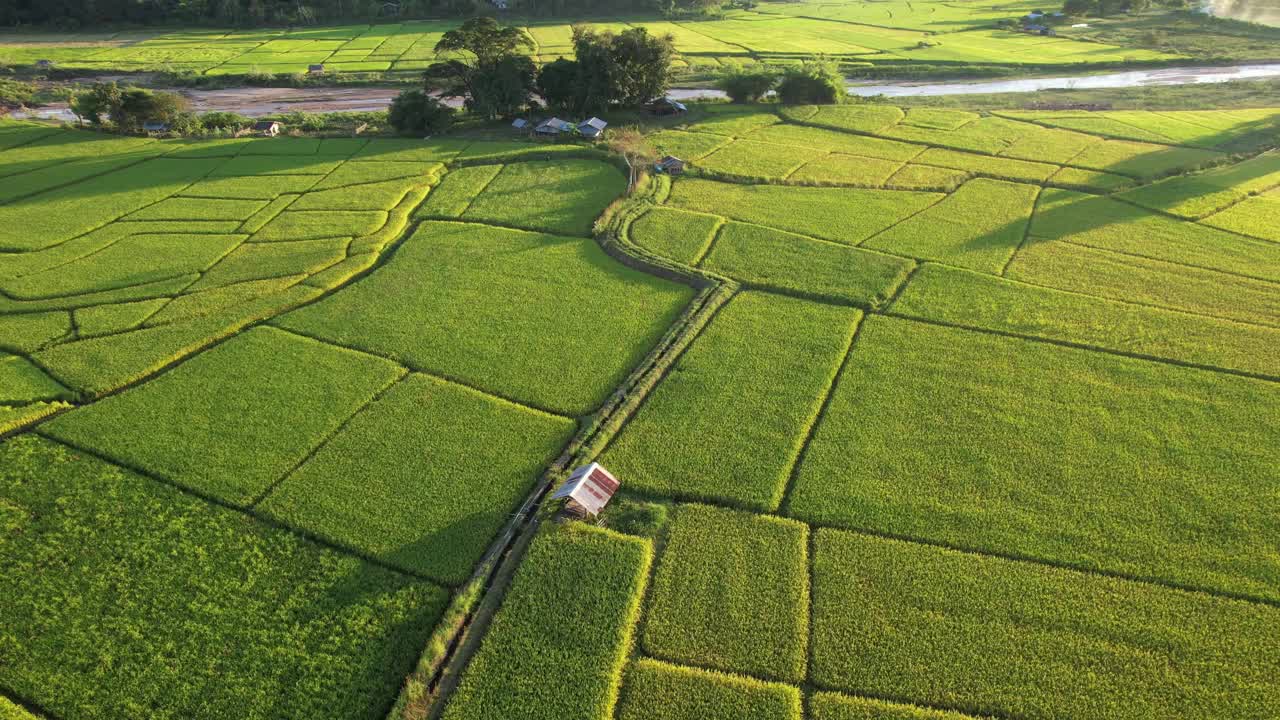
x,y
978,226
728,374
568,669
398,481
675,234
772,259
934,432
841,215
561,196
731,593
1108,224
1195,196
960,297
1127,649
281,624
517,290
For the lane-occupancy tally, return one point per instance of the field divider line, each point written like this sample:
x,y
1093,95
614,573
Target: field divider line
x,y
1167,261
28,704
240,509
1090,348
1135,303
252,506
793,472
1044,562
502,167
910,216
69,183
200,276
429,686
118,218
1026,231
902,287
715,236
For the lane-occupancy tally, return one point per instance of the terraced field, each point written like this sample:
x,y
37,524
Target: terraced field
x,y
918,415
776,32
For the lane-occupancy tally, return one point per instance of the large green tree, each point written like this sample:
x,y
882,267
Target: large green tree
x,y
627,69
484,65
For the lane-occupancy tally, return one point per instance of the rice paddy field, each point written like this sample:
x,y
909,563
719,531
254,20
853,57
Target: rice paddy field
x,y
918,415
890,32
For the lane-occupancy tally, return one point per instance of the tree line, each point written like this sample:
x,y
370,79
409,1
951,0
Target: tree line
x,y
74,14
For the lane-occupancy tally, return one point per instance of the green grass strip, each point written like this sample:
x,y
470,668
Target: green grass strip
x,y
558,644
212,426
688,439
424,477
184,609
732,593
987,635
655,689
1036,450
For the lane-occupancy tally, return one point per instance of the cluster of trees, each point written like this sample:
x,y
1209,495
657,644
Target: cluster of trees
x,y
86,13
816,82
128,108
629,69
488,68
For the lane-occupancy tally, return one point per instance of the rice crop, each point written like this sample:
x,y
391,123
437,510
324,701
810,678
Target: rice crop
x,y
1127,649
1195,196
256,261
676,234
1151,282
773,259
22,382
764,161
320,224
281,625
514,288
978,226
213,428
961,297
267,187
732,593
657,689
932,431
51,217
992,167
1108,224
457,190
857,118
1142,160
841,215
546,658
1254,217
835,706
832,141
560,196
847,169
755,343
431,496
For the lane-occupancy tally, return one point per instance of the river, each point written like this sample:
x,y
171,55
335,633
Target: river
x,y
256,102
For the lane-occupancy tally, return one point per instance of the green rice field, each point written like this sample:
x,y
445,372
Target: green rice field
x,y
779,33
917,415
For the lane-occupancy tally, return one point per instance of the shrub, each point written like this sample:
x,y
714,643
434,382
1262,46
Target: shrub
x,y
812,83
223,120
745,86
414,112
